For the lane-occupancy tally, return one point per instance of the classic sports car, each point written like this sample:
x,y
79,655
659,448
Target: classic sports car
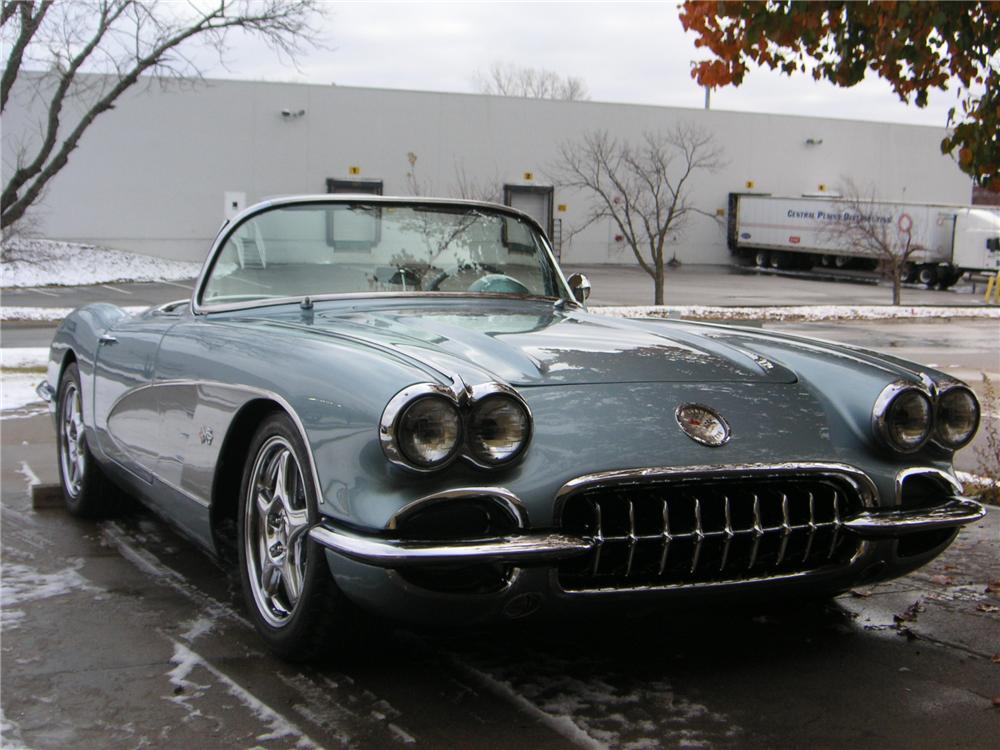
x,y
403,404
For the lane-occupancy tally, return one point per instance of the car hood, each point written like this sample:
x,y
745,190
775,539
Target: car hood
x,y
527,343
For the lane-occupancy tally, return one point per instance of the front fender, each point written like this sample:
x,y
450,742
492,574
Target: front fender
x,y
77,338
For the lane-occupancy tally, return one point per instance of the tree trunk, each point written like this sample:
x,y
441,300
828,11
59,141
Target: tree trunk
x,y
897,285
658,285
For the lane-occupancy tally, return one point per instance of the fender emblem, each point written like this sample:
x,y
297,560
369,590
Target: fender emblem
x,y
206,436
702,424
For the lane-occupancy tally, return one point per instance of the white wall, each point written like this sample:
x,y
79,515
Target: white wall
x,y
150,175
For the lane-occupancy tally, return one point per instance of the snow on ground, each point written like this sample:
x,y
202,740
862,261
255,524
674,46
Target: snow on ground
x,y
23,584
186,691
31,262
976,480
17,389
799,312
12,313
23,357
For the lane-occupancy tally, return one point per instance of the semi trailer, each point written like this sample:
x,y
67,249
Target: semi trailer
x,y
801,233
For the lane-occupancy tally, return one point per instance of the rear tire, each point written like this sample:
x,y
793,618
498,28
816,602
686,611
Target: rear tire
x,y
762,258
87,491
288,588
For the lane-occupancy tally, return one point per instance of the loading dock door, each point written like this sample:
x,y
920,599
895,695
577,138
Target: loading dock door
x,y
532,200
368,187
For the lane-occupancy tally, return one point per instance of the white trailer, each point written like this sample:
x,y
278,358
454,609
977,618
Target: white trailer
x,y
785,232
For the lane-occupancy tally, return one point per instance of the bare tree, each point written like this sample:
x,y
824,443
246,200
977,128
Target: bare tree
x,y
869,227
643,189
506,79
57,43
465,186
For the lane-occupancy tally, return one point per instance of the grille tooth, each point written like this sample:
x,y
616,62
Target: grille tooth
x,y
713,529
666,537
811,527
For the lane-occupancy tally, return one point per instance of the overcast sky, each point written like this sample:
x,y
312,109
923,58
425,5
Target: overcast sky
x,y
634,52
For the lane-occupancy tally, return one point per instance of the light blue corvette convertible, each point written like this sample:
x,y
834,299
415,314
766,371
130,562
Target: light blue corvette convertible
x,y
403,405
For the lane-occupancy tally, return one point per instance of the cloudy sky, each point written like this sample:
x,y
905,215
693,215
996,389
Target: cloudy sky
x,y
633,52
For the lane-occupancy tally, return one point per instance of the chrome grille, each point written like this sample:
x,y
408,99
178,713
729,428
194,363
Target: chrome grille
x,y
707,530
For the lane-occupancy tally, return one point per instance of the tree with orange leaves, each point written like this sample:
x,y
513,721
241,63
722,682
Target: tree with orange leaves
x,y
915,46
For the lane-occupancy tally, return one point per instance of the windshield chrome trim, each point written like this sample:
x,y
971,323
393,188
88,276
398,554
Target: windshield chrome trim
x,y
347,296
229,227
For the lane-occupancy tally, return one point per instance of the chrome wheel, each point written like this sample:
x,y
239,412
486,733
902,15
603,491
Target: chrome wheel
x,y
274,531
72,446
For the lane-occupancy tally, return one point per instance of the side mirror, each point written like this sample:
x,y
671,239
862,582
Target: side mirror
x,y
580,286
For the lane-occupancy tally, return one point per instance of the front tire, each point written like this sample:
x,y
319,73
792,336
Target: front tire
x,y
87,492
928,276
289,591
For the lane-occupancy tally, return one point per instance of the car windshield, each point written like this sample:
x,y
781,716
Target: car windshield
x,y
314,249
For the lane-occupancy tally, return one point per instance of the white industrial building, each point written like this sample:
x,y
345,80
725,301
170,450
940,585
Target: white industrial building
x,y
159,173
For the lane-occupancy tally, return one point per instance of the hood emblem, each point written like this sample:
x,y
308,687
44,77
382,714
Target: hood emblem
x,y
702,424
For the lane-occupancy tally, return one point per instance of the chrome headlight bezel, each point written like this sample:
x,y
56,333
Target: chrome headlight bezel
x,y
392,418
482,395
945,391
465,400
882,415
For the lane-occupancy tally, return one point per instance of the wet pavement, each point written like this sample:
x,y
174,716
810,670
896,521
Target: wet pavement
x,y
121,634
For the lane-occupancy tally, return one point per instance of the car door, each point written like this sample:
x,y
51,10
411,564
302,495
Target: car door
x,y
125,405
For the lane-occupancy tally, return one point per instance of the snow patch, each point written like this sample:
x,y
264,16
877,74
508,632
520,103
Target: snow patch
x,y
187,661
595,704
22,584
198,627
14,313
10,734
402,735
23,357
799,312
976,481
17,391
29,476
560,724
35,262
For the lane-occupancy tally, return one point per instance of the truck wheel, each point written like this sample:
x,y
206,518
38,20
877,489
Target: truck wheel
x,y
948,278
779,260
762,258
88,493
826,260
909,273
841,261
927,275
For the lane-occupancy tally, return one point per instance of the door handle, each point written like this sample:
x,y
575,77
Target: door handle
x,y
107,339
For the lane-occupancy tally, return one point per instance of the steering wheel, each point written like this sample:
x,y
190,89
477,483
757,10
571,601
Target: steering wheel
x,y
434,284
494,282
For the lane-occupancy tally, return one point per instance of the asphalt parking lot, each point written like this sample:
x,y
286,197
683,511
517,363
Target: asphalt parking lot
x,y
121,634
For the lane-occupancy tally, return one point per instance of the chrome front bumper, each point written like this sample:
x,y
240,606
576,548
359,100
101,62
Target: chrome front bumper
x,y
534,549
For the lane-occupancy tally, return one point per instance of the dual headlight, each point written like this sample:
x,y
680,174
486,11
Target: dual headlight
x,y
425,427
906,417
